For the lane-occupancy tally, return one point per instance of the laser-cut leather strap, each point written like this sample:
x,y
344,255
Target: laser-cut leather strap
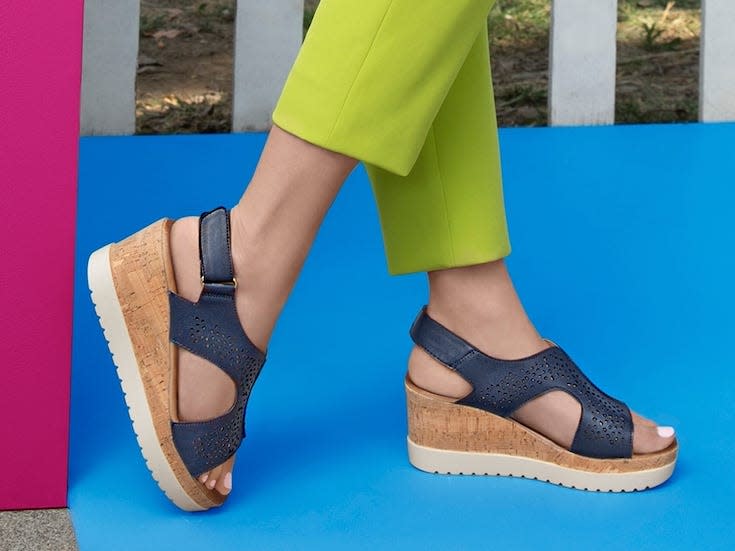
x,y
210,328
500,387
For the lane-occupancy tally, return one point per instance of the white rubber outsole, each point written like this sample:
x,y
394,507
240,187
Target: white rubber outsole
x,y
107,306
474,463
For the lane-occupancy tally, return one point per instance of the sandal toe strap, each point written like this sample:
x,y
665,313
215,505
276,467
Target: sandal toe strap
x,y
203,445
605,428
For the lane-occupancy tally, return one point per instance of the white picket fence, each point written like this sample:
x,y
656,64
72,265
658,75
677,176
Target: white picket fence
x,y
268,34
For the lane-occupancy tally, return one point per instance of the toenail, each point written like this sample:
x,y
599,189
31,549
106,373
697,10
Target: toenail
x,y
204,478
228,481
211,483
665,432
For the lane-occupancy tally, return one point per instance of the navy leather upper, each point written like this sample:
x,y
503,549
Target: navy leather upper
x,y
210,328
502,386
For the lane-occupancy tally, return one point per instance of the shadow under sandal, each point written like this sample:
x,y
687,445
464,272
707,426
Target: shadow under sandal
x,y
144,320
475,435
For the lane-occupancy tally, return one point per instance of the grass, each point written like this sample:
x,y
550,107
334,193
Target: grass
x,y
519,23
658,61
658,52
657,72
150,23
172,114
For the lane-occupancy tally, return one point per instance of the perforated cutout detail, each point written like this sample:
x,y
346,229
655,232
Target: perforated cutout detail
x,y
211,329
605,426
215,446
502,386
223,348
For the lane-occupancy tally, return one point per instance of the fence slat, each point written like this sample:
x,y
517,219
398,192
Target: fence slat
x,y
268,36
717,62
109,66
582,62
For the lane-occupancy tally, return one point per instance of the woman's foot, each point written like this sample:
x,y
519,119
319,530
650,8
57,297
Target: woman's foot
x,y
480,304
204,390
273,228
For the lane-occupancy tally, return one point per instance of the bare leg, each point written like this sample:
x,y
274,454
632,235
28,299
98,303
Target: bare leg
x,y
273,227
480,304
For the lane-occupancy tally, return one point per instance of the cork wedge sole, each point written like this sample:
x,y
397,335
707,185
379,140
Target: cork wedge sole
x,y
129,283
448,438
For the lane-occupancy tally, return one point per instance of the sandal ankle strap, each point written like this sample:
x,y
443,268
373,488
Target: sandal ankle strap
x,y
215,252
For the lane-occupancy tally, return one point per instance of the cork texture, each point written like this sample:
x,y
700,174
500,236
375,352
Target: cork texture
x,y
438,422
142,273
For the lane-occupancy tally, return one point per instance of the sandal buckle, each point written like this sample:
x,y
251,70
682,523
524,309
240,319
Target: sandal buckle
x,y
232,283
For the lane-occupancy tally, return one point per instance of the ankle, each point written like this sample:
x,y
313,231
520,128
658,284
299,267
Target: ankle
x,y
264,281
479,303
259,298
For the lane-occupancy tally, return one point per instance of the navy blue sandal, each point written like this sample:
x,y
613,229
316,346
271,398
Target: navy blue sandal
x,y
475,434
144,320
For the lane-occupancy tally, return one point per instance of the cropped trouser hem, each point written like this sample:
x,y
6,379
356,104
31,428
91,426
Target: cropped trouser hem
x,y
404,86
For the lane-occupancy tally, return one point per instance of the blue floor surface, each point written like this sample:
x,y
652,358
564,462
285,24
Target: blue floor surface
x,y
624,253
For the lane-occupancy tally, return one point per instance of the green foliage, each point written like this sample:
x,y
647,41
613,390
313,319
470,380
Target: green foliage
x,y
519,21
523,94
651,38
651,33
210,14
151,23
637,5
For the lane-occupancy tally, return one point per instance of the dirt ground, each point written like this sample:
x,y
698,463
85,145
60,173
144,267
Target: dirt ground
x,y
185,62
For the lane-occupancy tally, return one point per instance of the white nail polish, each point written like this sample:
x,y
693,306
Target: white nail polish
x,y
665,432
228,481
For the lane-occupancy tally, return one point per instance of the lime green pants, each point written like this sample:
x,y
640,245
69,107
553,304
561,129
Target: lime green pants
x,y
404,86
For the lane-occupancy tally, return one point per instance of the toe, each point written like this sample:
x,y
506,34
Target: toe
x,y
651,438
214,474
640,420
224,482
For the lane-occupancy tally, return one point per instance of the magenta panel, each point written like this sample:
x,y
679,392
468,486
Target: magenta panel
x,y
40,72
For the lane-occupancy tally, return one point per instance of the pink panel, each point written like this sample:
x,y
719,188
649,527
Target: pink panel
x,y
40,72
